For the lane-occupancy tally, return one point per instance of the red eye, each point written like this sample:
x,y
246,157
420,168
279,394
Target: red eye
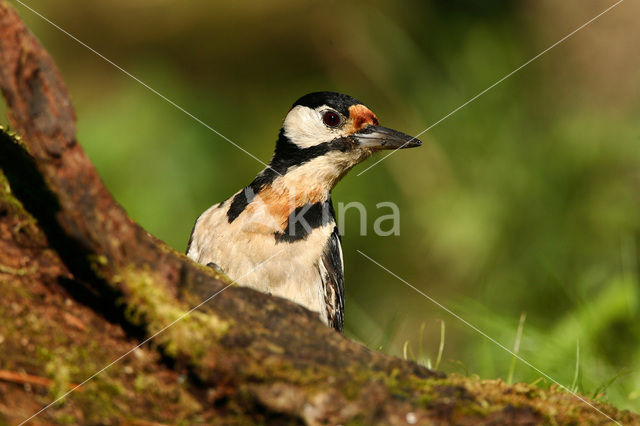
x,y
331,119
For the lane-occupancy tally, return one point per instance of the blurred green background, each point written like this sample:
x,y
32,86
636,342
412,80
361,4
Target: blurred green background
x,y
526,200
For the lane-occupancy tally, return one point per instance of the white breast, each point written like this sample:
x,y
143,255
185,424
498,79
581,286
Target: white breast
x,y
248,253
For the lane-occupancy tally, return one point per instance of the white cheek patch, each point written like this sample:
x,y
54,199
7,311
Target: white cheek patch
x,y
304,127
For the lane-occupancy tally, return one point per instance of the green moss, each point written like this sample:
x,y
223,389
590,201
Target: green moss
x,y
66,419
65,363
17,271
351,390
100,398
356,421
472,409
178,329
62,364
98,259
60,373
5,193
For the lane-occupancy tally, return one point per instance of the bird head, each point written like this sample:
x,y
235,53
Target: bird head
x,y
325,134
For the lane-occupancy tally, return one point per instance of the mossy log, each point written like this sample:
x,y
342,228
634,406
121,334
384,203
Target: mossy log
x,y
82,284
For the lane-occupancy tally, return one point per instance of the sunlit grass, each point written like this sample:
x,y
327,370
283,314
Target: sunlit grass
x,y
516,347
408,354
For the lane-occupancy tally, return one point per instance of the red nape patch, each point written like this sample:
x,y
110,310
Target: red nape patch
x,y
362,115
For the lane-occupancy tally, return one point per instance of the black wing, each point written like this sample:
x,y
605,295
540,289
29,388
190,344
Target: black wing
x,y
333,280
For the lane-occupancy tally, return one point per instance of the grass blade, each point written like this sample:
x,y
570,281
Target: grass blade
x,y
516,347
441,346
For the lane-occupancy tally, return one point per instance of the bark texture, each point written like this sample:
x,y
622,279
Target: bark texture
x,y
82,284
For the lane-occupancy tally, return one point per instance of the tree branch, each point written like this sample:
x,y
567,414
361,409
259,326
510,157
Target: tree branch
x,y
254,353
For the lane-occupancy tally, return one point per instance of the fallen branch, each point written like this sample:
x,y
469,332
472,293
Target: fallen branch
x,y
246,355
22,378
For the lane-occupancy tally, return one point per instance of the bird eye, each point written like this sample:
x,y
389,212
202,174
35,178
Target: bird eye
x,y
331,119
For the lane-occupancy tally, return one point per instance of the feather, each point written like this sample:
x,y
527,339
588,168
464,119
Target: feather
x,y
332,274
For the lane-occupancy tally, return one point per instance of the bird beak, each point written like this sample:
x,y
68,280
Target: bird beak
x,y
378,137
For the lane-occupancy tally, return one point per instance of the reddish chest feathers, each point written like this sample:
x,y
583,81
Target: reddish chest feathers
x,y
362,116
281,203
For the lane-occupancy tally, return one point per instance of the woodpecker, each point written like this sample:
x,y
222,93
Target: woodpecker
x,y
278,235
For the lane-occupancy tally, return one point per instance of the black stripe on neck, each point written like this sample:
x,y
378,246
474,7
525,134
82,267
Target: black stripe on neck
x,y
303,220
286,155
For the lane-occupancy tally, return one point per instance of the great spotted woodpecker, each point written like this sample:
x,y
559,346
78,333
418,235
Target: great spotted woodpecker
x,y
279,235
